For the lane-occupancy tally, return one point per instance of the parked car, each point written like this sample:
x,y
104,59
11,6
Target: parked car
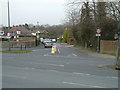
x,y
53,40
47,43
45,40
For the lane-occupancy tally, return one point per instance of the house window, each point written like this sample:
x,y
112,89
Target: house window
x,y
1,32
18,32
8,34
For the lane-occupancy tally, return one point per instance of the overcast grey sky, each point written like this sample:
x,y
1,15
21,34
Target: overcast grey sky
x,y
30,11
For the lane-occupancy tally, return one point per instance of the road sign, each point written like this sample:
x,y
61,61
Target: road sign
x,y
98,31
98,35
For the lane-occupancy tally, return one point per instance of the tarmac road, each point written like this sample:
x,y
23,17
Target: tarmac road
x,y
70,68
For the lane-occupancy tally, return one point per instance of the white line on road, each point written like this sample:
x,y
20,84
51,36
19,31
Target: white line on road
x,y
112,77
58,50
67,56
27,68
71,83
14,76
74,54
80,73
53,70
46,55
57,65
93,75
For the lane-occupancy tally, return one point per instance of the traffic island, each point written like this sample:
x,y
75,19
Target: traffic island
x,y
112,67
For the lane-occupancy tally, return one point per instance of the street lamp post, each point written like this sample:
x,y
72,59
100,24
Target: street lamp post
x,y
9,23
8,16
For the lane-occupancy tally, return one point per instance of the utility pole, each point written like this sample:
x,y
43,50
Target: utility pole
x,y
9,23
8,16
118,49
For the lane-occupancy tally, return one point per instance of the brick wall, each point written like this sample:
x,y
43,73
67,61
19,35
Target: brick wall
x,y
108,46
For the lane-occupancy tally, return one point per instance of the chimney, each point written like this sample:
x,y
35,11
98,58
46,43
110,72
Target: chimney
x,y
20,25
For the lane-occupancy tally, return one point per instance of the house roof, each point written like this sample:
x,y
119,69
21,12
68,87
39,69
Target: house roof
x,y
5,31
21,28
41,31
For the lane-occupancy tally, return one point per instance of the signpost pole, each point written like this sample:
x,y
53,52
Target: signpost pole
x,y
98,34
98,46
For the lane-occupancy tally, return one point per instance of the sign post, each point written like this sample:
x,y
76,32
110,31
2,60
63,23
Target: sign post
x,y
98,34
37,38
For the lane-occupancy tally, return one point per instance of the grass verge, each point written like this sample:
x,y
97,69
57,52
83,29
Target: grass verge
x,y
109,66
109,53
16,51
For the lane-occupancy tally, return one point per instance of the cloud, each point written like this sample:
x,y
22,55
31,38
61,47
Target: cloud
x,y
48,1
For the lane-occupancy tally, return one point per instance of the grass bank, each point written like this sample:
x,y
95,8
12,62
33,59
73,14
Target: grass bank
x,y
108,53
16,51
109,66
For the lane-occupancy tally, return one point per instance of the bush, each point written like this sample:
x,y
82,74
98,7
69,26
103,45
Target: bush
x,y
61,39
71,41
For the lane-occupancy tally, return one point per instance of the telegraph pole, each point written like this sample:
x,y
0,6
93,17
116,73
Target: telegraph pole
x,y
8,16
118,49
9,23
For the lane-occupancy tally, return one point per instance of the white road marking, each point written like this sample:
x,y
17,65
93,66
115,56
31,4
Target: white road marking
x,y
81,73
68,56
53,70
46,55
74,54
14,76
57,65
71,83
27,68
58,50
93,75
112,77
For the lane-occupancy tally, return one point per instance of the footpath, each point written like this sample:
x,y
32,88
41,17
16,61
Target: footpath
x,y
95,54
89,52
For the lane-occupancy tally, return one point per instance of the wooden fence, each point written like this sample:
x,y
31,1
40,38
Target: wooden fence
x,y
18,44
108,46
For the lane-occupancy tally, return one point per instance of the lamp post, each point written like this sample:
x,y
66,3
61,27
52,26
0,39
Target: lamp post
x,y
8,16
9,23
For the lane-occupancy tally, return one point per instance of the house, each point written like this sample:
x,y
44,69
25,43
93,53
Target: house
x,y
43,33
4,34
34,32
16,31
